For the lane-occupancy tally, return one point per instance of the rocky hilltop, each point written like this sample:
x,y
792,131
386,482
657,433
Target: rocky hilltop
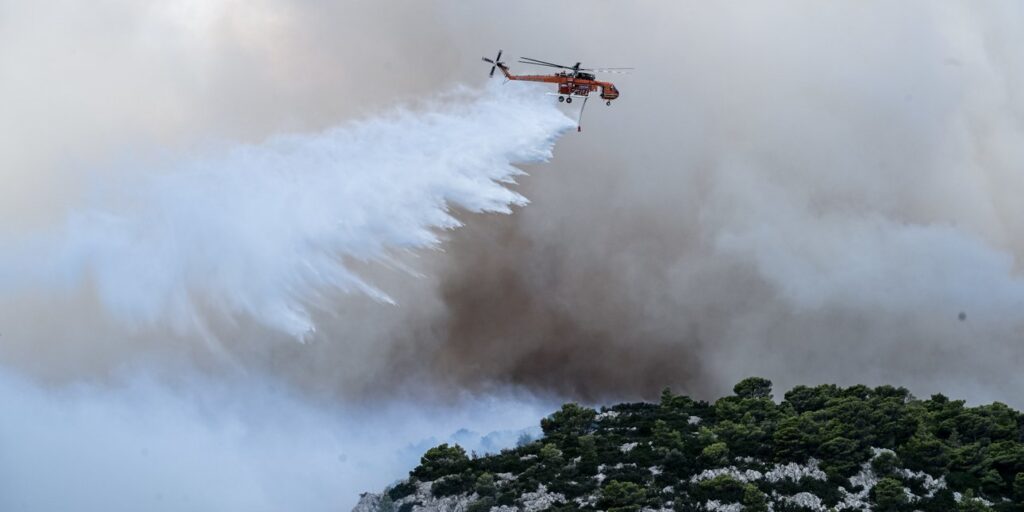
x,y
823,448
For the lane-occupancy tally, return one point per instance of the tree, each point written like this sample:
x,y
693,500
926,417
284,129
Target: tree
x,y
885,463
753,387
795,438
569,422
724,488
618,495
1007,457
924,452
992,482
485,485
665,437
440,461
969,503
754,500
551,455
842,456
715,454
805,399
1018,487
588,455
888,495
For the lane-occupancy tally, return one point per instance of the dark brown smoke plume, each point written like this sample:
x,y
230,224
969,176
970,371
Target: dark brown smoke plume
x,y
806,192
503,327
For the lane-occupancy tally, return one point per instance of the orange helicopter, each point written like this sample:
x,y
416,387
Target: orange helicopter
x,y
574,81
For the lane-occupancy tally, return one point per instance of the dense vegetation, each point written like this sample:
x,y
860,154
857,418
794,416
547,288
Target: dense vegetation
x,y
894,451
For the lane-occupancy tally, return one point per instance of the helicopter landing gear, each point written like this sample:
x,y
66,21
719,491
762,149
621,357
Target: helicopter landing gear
x,y
568,100
609,103
561,99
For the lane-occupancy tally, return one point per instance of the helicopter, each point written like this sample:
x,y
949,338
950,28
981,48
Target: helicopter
x,y
573,81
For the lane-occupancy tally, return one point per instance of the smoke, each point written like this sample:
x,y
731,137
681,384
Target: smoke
x,y
812,193
246,444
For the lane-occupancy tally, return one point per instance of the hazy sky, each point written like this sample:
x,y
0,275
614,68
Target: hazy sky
x,y
810,192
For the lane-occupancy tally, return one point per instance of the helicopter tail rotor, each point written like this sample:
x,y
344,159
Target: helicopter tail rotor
x,y
494,63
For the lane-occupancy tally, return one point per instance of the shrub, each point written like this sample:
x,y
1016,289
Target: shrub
x,y
452,484
401,490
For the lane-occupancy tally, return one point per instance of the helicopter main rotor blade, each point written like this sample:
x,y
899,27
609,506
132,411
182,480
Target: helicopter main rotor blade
x,y
544,65
485,59
528,60
541,63
537,60
616,71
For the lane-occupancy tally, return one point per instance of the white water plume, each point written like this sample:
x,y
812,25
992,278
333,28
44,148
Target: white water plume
x,y
261,230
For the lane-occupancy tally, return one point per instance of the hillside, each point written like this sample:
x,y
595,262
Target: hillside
x,y
821,448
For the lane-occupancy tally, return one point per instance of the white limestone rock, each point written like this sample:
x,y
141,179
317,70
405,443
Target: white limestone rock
x,y
541,499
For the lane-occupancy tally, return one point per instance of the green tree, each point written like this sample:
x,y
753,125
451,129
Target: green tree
x,y
569,422
992,482
885,463
485,485
806,399
551,455
970,503
842,456
1018,487
1007,457
621,496
754,500
715,454
588,455
723,488
888,495
753,387
675,403
924,452
795,438
665,437
440,461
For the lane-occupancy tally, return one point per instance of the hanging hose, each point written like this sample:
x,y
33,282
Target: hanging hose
x,y
579,122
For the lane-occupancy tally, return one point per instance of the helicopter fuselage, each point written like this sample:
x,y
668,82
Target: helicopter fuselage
x,y
570,84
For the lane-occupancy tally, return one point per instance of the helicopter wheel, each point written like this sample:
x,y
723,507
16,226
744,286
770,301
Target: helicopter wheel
x,y
561,99
568,100
609,103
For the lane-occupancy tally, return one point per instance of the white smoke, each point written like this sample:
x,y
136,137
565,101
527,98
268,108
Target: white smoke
x,y
217,445
263,230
